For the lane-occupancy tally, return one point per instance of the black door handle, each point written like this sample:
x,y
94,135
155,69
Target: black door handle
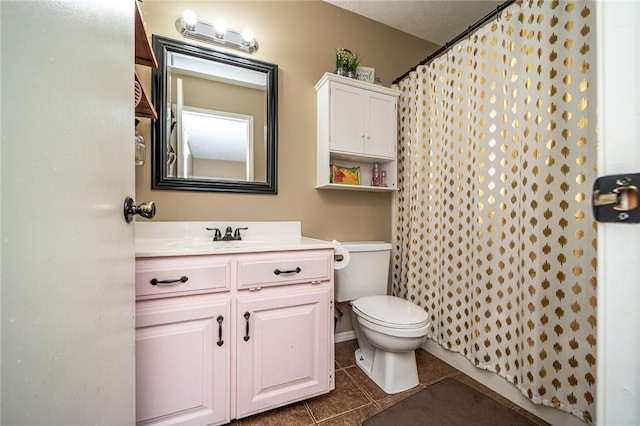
x,y
220,342
182,279
290,271
246,330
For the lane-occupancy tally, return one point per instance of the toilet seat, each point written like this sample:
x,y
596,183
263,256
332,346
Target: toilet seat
x,y
391,312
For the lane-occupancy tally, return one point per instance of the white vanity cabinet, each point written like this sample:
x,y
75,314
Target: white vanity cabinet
x,y
259,335
357,126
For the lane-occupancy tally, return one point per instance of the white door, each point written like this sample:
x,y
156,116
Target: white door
x,y
67,254
618,373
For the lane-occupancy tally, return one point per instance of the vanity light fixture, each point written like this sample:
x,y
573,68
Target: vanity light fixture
x,y
217,33
190,19
219,28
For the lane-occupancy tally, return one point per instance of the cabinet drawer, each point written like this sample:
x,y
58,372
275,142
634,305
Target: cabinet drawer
x,y
280,268
186,275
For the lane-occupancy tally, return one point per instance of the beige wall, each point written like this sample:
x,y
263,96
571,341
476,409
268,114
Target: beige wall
x,y
301,38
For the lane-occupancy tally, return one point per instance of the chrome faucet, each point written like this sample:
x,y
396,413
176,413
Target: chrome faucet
x,y
217,236
236,234
229,234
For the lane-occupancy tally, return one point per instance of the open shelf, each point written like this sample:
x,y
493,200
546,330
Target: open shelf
x,y
145,109
344,187
143,56
144,53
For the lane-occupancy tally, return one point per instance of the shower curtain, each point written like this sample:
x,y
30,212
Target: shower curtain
x,y
493,230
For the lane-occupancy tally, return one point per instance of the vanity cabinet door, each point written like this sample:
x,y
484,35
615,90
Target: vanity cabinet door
x,y
183,360
284,345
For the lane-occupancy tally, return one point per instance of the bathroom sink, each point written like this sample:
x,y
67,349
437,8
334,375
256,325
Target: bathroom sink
x,y
240,244
196,238
198,244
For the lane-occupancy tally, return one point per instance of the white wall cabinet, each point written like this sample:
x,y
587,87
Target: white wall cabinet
x,y
357,127
242,334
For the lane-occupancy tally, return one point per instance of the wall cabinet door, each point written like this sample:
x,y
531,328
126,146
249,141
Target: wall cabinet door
x,y
347,117
283,350
381,134
362,122
183,360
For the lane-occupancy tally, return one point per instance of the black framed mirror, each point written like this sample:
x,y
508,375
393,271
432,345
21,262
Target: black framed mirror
x,y
217,126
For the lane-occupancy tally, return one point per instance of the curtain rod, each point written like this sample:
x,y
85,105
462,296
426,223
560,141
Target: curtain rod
x,y
459,37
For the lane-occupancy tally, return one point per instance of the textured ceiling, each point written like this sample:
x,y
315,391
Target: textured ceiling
x,y
437,21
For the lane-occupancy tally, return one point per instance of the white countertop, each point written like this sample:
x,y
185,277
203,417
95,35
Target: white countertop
x,y
191,238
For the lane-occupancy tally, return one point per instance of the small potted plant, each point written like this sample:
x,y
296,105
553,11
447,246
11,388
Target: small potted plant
x,y
352,64
342,61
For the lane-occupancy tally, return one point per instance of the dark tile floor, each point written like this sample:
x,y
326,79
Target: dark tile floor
x,y
357,398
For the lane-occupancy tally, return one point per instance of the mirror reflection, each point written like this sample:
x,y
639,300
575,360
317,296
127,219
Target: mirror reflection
x,y
217,128
213,144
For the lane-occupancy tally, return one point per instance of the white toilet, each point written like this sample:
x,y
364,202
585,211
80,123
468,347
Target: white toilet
x,y
388,329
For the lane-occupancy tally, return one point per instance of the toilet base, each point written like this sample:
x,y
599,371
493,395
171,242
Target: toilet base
x,y
393,371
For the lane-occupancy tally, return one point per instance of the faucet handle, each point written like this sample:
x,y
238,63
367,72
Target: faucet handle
x,y
236,234
217,236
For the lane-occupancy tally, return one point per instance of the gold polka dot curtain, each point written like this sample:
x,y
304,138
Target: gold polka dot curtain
x,y
493,231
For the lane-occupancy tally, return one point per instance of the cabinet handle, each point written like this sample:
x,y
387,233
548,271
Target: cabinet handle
x,y
182,279
246,330
220,342
290,271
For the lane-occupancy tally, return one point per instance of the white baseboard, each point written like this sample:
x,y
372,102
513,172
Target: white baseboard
x,y
501,386
344,336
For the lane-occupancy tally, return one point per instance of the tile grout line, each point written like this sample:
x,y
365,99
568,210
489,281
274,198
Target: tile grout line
x,y
369,397
310,413
355,382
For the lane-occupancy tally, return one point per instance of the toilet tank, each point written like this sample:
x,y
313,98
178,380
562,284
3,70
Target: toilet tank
x,y
367,272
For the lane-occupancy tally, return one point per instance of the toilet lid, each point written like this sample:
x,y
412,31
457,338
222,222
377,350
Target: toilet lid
x,y
391,310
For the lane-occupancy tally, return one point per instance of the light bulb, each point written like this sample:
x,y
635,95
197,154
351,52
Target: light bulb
x,y
247,36
220,27
190,18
